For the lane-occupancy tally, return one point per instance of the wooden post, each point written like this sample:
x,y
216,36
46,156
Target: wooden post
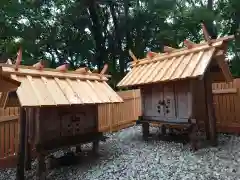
x,y
206,120
145,130
41,167
21,151
205,33
210,109
78,149
27,144
133,56
105,67
95,146
95,143
163,130
189,44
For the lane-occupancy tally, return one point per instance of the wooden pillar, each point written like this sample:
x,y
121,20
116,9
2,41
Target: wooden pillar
x,y
145,130
27,143
78,149
163,130
95,146
41,167
206,116
95,143
21,151
212,122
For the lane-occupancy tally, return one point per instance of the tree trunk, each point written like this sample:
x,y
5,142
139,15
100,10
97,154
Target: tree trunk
x,y
115,47
128,40
210,26
97,33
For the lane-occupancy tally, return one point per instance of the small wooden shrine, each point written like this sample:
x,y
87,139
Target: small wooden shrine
x,y
176,86
58,108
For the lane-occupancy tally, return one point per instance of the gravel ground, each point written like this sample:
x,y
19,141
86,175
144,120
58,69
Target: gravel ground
x,y
125,156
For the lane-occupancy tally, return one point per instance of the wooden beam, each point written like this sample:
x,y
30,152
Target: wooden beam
x,y
105,67
133,56
95,71
39,65
219,53
225,38
225,69
178,53
212,121
168,49
151,54
62,68
82,70
198,47
206,34
189,44
225,91
49,73
8,118
19,59
66,141
21,150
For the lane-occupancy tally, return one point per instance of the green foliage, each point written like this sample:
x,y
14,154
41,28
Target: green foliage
x,y
102,31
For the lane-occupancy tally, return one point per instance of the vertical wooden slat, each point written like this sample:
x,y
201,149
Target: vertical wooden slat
x,y
21,152
11,129
2,140
7,140
27,144
225,103
16,137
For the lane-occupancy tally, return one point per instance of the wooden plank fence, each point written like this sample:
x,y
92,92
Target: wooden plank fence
x,y
8,136
112,117
227,106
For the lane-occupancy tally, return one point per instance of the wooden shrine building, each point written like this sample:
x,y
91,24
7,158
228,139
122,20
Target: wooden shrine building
x,y
58,108
176,86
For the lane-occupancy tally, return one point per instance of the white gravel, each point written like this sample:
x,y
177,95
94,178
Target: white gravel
x,y
125,156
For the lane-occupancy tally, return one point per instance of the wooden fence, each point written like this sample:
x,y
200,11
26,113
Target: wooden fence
x,y
112,117
227,106
8,136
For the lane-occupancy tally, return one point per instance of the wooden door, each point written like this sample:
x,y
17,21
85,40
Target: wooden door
x,y
147,101
169,101
152,103
157,105
184,101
